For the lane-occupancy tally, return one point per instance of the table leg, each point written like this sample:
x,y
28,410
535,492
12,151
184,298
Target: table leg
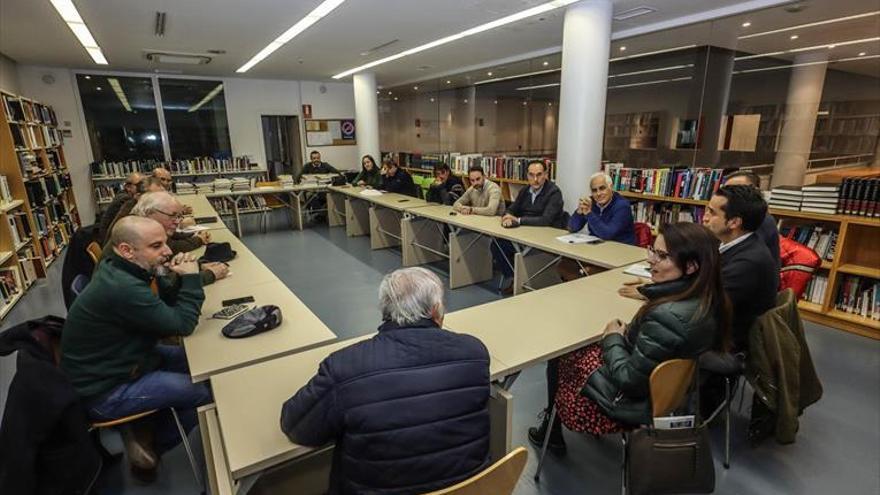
x,y
335,209
534,271
297,209
501,422
470,259
421,241
357,217
384,228
237,216
219,477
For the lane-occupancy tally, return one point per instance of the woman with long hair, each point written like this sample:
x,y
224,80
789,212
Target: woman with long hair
x,y
369,175
604,387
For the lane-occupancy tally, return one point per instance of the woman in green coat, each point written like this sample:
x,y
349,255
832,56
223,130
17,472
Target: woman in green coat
x,y
604,387
369,175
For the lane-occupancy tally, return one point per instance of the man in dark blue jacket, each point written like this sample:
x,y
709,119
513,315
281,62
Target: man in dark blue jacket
x,y
406,408
607,214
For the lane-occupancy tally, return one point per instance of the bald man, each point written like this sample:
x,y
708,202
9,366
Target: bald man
x,y
110,345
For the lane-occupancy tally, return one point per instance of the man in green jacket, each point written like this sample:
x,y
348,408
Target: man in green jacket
x,y
110,345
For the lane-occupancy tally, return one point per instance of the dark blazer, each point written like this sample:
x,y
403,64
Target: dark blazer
x,y
102,232
770,235
400,183
751,280
406,408
547,210
621,385
447,192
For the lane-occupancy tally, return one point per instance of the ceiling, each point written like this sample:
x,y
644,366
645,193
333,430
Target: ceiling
x,y
125,31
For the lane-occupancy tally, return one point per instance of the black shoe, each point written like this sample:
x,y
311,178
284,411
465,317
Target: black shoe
x,y
556,443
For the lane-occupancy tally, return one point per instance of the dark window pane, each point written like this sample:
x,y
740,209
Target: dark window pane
x,y
195,116
121,117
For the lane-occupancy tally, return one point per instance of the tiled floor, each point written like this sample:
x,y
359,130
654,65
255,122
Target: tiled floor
x,y
837,449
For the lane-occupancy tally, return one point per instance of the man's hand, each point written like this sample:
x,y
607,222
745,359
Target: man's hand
x,y
187,222
631,290
584,206
614,326
220,270
466,210
204,236
361,183
509,220
187,210
183,264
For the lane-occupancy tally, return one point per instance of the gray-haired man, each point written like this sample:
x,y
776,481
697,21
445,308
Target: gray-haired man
x,y
408,407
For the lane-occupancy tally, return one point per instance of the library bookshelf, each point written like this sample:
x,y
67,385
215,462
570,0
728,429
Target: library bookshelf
x,y
38,213
857,253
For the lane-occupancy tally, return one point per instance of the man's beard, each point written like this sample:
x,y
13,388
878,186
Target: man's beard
x,y
160,270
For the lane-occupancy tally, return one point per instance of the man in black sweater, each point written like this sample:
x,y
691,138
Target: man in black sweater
x,y
540,204
316,166
446,188
767,231
396,180
748,272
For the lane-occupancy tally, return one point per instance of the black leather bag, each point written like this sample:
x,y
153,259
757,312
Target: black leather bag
x,y
670,461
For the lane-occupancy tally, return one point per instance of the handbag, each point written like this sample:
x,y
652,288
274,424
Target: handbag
x,y
671,461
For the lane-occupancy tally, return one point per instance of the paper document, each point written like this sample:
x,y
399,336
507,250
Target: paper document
x,y
639,270
371,192
192,229
578,239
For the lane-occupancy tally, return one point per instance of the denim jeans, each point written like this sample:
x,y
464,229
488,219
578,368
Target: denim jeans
x,y
169,386
503,252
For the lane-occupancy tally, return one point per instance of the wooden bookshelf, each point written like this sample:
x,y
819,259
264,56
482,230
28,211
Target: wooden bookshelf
x,y
32,160
857,253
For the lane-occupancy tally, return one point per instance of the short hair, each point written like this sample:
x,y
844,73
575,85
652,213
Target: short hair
x,y
129,230
152,202
409,295
314,152
746,203
608,180
134,178
748,174
160,170
441,167
144,185
541,162
476,168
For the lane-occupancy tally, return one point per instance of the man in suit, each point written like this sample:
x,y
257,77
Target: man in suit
x,y
767,231
396,180
748,272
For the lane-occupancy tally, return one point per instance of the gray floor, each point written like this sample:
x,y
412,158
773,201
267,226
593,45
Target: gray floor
x,y
837,450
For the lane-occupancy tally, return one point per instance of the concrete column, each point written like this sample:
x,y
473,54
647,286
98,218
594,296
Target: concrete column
x,y
716,73
586,41
366,115
876,163
801,106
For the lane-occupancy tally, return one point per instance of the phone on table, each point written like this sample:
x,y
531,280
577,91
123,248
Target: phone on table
x,y
201,220
240,300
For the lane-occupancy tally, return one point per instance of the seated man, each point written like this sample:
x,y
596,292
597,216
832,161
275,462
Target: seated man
x,y
147,184
109,347
164,177
316,166
748,273
396,180
538,204
605,214
167,210
482,198
408,408
767,231
129,191
446,188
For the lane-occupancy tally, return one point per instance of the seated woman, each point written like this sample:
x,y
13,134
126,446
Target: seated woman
x,y
370,175
603,388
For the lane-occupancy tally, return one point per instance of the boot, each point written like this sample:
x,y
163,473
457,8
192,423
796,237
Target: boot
x,y
556,443
142,459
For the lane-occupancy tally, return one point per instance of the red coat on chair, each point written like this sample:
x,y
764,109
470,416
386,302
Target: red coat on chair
x,y
798,264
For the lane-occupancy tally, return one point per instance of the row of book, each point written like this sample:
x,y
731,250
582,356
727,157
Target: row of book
x,y
19,228
52,215
104,193
860,196
196,166
45,189
495,166
5,193
657,214
859,295
685,183
27,262
10,285
245,204
816,287
819,238
30,164
20,110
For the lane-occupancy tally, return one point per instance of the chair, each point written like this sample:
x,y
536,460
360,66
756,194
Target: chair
x,y
94,250
97,426
643,234
668,384
79,284
422,183
498,479
272,204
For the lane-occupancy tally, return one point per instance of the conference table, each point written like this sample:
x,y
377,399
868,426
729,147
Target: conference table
x,y
374,212
294,198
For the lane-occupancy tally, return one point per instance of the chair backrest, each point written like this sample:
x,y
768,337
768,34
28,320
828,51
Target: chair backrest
x,y
94,250
79,284
498,479
670,382
644,237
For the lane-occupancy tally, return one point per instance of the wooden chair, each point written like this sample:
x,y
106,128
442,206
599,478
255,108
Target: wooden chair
x,y
498,479
94,250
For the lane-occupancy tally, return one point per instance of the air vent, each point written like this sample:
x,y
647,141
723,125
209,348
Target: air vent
x,y
379,47
160,24
178,58
636,12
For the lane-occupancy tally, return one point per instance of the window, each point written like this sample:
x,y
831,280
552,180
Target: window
x,y
195,117
121,117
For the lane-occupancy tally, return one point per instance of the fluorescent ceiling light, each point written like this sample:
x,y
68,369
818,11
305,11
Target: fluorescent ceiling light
x,y
208,97
805,64
538,86
117,88
312,17
523,14
809,48
649,83
655,52
648,71
507,78
811,24
67,10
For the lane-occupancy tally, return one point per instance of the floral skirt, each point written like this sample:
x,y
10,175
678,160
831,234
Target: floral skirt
x,y
577,412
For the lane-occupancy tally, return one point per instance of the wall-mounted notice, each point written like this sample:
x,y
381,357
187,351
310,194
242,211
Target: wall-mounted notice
x,y
330,132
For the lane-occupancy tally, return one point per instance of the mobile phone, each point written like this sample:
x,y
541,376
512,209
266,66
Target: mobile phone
x,y
201,220
240,300
402,200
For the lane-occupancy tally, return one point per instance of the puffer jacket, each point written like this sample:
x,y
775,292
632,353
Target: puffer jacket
x,y
798,265
621,385
406,408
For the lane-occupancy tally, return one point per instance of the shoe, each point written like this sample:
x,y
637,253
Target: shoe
x,y
144,476
138,440
507,291
556,443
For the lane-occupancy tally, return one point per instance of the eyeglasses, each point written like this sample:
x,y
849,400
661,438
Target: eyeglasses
x,y
177,217
597,189
657,255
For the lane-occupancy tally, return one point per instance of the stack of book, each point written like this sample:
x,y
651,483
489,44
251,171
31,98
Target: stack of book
x,y
183,188
859,196
286,180
820,198
816,287
240,184
786,198
859,295
222,185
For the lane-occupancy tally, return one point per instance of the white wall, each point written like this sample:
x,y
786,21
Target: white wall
x,y
8,74
337,102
